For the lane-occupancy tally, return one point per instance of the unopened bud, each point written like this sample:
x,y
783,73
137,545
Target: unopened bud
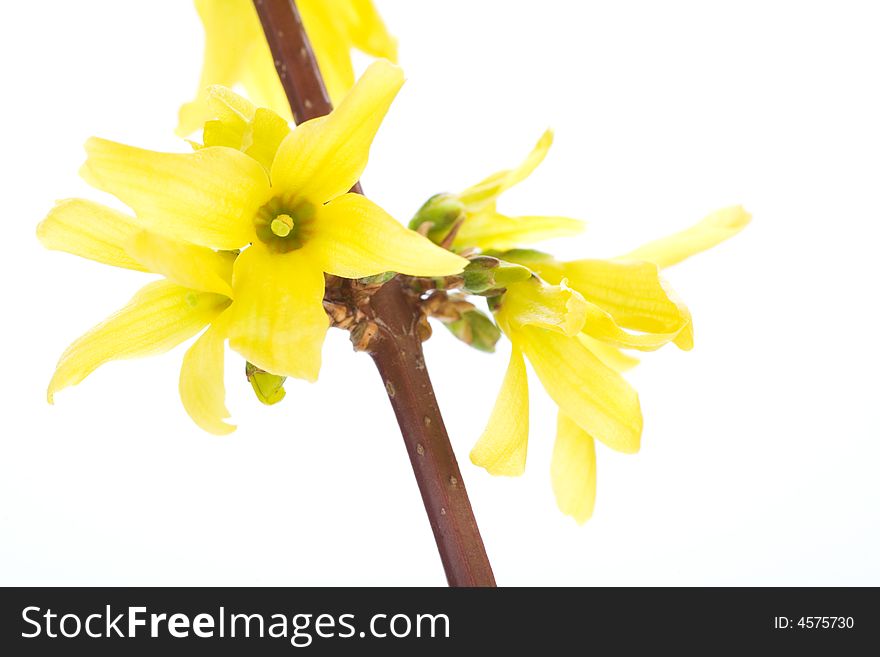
x,y
269,388
487,275
475,329
437,216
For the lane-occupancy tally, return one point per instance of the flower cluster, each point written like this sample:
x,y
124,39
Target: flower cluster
x,y
244,230
573,321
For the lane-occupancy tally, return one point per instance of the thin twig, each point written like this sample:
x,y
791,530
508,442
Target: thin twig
x,y
396,349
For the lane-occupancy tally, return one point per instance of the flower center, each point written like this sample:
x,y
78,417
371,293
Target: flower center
x,y
283,224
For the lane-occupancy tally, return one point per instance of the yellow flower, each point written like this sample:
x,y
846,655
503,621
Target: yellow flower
x,y
236,51
293,219
196,293
487,229
572,326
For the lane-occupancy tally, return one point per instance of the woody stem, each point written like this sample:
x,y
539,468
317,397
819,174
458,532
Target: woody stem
x,y
397,349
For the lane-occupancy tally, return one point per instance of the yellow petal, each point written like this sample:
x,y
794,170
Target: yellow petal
x,y
502,447
278,320
596,397
327,24
324,157
573,470
488,230
634,295
159,317
484,193
252,130
609,355
202,389
711,231
90,230
208,197
369,33
353,237
235,51
553,307
601,325
186,264
260,77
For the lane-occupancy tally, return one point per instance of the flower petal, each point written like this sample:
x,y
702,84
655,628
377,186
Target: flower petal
x,y
202,389
90,230
234,47
633,294
208,197
278,320
324,157
596,397
711,231
327,25
609,355
354,237
488,230
485,192
553,307
369,34
601,325
160,316
186,264
502,447
573,470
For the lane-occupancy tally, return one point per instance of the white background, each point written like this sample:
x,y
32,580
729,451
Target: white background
x,y
760,451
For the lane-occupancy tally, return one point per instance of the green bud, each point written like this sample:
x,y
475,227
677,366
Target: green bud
x,y
486,275
440,212
269,388
475,329
525,256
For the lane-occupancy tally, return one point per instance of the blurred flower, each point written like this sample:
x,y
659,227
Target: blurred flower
x,y
236,51
284,199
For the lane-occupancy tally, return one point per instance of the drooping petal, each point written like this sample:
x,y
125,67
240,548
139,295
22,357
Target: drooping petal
x,y
554,307
324,157
234,45
608,354
202,389
601,325
186,264
596,397
208,197
632,293
502,447
353,237
90,230
159,317
711,231
277,320
327,24
485,192
369,33
489,230
573,470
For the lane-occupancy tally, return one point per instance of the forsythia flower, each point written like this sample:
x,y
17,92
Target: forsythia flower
x,y
283,197
487,229
236,51
571,321
196,293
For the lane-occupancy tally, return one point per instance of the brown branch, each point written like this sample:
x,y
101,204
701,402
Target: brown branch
x,y
397,349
